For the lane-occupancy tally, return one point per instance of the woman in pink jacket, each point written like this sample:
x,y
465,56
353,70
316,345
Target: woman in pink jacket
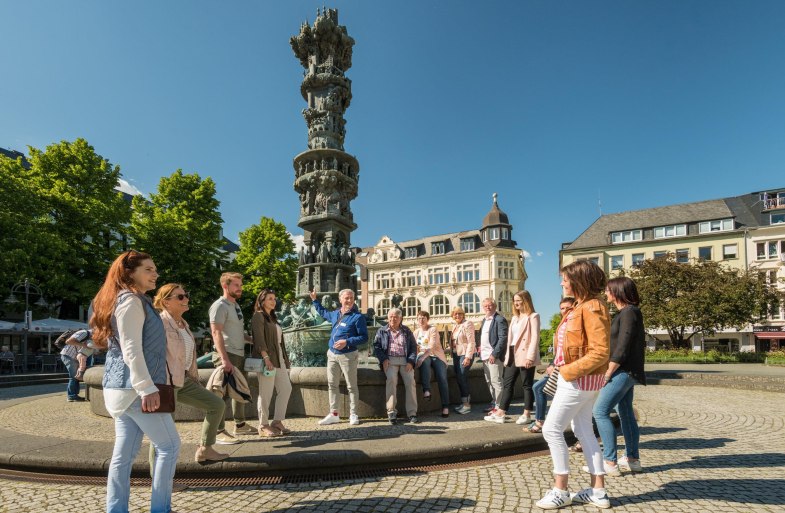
x,y
430,355
523,356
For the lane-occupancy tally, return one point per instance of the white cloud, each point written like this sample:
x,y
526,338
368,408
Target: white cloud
x,y
526,255
299,242
539,253
127,188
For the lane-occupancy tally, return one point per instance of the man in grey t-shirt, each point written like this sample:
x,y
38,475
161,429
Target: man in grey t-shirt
x,y
228,331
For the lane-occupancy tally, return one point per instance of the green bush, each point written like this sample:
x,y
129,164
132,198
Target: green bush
x,y
711,356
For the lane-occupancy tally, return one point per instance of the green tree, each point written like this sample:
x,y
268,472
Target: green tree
x,y
68,219
700,297
546,335
266,259
180,227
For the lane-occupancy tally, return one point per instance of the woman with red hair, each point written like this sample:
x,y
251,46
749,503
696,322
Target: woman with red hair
x,y
126,324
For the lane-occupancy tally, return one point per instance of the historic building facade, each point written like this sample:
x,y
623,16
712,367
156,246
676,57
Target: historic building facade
x,y
441,272
743,232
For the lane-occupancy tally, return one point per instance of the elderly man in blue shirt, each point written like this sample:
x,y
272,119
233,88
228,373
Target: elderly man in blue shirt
x,y
349,331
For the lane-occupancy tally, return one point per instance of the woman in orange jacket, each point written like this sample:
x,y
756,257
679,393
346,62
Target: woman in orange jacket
x,y
582,350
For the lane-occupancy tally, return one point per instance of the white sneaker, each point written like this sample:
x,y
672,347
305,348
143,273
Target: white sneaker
x,y
354,420
586,496
498,419
609,470
523,419
632,466
331,418
463,409
554,499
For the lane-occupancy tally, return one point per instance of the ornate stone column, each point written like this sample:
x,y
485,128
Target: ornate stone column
x,y
326,177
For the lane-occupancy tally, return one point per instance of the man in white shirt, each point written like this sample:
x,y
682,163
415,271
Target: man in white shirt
x,y
493,348
228,331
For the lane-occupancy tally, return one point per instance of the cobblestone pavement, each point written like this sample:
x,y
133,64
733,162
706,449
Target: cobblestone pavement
x,y
703,450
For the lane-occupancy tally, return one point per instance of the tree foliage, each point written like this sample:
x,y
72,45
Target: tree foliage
x,y
267,260
546,335
61,220
700,297
180,227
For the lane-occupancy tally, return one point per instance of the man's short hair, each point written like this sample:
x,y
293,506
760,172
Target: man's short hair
x,y
489,300
395,311
345,291
226,278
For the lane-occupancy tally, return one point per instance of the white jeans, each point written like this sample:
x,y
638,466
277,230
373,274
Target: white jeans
x,y
283,387
575,406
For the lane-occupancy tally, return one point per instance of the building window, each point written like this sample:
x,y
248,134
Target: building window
x,y
411,279
470,303
627,236
437,248
485,235
438,275
704,253
617,262
439,305
411,252
505,303
676,230
505,233
778,218
469,272
773,249
383,307
683,256
384,281
467,244
729,251
494,233
660,254
505,270
594,260
637,259
411,307
720,225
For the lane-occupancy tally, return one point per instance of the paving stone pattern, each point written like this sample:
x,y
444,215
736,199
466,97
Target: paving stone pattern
x,y
703,450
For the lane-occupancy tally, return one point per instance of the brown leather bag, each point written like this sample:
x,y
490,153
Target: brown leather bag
x,y
166,395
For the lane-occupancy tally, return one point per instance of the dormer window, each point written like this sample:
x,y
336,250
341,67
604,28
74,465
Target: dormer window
x,y
493,233
505,233
676,230
437,248
719,225
411,252
626,236
467,244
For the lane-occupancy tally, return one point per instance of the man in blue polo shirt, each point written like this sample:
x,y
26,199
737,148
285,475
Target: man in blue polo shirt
x,y
348,332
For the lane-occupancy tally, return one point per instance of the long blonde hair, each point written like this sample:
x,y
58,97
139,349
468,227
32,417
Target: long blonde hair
x,y
528,306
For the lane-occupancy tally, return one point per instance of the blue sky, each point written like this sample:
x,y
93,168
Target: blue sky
x,y
554,105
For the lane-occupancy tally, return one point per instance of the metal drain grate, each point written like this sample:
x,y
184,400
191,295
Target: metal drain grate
x,y
291,477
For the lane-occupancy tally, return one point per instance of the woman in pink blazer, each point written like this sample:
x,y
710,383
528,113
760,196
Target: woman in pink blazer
x,y
523,356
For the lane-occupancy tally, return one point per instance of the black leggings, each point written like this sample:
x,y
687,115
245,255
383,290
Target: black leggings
x,y
510,377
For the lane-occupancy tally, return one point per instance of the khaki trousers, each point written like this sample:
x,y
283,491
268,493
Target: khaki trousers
x,y
345,364
493,377
283,387
398,366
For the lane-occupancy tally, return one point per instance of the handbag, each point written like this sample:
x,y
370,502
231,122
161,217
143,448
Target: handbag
x,y
553,380
166,396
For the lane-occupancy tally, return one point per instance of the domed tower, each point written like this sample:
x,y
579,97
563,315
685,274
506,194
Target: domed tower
x,y
326,177
496,228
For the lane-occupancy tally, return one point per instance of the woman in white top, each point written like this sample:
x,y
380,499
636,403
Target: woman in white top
x,y
173,301
523,356
125,322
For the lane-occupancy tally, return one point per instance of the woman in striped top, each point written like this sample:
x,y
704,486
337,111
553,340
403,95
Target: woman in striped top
x,y
582,352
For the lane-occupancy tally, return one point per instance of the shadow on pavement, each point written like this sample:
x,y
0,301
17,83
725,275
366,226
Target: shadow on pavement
x,y
357,433
762,460
745,491
654,430
669,444
381,504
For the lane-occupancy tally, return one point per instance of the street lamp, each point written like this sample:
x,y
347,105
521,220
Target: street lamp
x,y
11,299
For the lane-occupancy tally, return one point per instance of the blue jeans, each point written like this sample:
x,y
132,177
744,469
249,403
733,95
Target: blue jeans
x,y
71,366
462,376
440,369
618,391
540,399
129,429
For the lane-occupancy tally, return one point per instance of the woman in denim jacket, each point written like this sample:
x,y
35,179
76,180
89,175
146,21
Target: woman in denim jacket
x,y
126,323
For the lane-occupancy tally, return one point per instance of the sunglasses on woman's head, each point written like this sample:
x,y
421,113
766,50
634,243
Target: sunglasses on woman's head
x,y
180,297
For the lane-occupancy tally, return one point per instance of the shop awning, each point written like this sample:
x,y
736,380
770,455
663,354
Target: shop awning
x,y
770,334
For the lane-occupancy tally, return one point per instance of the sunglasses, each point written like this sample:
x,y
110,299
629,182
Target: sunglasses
x,y
180,297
